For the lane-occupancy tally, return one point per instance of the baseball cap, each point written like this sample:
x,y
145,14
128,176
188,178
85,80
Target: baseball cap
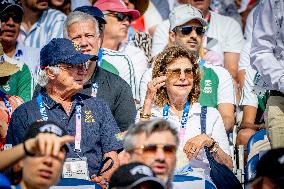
x,y
60,50
130,175
116,6
271,165
11,4
8,66
45,127
184,13
93,11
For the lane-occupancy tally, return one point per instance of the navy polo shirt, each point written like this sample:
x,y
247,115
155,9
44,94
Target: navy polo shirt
x,y
100,133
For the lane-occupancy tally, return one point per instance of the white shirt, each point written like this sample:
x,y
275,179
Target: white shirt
x,y
214,128
226,93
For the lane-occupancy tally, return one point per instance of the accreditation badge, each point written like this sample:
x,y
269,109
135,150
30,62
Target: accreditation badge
x,y
76,168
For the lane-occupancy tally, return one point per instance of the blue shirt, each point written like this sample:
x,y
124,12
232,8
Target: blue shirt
x,y
48,26
99,129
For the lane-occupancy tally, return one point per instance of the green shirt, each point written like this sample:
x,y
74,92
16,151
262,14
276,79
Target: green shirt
x,y
20,84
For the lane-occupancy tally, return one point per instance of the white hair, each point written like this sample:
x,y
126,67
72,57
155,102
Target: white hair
x,y
78,16
42,78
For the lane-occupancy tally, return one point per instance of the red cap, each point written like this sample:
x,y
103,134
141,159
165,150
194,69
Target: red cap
x,y
116,6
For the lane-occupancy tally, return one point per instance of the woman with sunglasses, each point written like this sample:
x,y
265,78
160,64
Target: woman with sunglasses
x,y
173,95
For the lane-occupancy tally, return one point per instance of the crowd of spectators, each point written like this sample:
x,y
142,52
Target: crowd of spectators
x,y
134,93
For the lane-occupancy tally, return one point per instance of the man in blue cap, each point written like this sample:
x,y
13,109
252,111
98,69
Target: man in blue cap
x,y
63,70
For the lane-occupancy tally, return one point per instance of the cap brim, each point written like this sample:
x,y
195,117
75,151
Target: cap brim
x,y
156,181
14,6
80,59
7,68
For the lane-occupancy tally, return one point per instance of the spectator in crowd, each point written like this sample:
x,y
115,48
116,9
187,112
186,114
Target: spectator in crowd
x,y
153,143
11,18
40,23
62,5
173,94
216,84
269,170
8,103
268,60
88,119
41,167
82,29
223,36
41,141
135,175
118,18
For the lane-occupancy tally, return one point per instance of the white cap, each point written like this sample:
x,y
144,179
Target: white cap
x,y
184,13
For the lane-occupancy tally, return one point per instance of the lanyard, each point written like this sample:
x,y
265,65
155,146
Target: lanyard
x,y
78,121
201,63
100,56
184,118
7,104
95,87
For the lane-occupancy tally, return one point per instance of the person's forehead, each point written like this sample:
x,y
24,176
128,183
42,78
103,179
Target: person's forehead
x,y
86,26
159,137
182,62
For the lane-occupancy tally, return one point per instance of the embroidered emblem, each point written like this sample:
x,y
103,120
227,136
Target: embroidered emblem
x,y
119,136
89,117
208,86
77,48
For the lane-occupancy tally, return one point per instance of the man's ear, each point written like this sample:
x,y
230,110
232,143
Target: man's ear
x,y
50,74
172,37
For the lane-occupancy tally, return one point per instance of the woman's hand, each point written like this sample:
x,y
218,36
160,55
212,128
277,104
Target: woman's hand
x,y
195,144
153,86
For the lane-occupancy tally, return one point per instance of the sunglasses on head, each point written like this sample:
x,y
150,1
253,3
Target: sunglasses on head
x,y
6,17
121,16
186,30
175,73
151,149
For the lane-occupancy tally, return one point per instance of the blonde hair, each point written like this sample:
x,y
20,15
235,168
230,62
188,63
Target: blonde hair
x,y
164,59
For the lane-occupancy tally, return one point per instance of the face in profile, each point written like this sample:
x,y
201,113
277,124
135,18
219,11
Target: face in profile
x,y
42,171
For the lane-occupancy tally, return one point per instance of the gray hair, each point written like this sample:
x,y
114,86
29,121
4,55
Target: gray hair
x,y
148,127
42,78
78,16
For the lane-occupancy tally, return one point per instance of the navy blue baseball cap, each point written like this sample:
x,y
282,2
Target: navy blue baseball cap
x,y
60,50
11,5
93,11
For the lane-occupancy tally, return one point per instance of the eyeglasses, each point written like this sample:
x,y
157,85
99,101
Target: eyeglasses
x,y
175,73
6,17
186,30
71,67
120,16
151,149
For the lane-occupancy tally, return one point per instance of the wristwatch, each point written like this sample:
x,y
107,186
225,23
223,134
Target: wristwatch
x,y
145,116
214,147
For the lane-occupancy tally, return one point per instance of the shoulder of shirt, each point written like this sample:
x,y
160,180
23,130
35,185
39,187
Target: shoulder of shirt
x,y
28,49
112,52
219,70
59,15
223,18
114,80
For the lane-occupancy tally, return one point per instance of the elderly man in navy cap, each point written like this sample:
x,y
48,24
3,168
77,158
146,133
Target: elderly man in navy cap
x,y
88,119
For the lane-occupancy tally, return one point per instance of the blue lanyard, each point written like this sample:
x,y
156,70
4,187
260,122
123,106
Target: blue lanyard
x,y
95,87
7,104
201,63
100,56
78,121
184,117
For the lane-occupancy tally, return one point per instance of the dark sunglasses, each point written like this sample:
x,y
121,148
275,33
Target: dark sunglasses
x,y
151,149
175,73
120,16
6,17
186,30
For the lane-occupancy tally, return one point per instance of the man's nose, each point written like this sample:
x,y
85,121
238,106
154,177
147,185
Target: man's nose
x,y
10,21
160,154
48,160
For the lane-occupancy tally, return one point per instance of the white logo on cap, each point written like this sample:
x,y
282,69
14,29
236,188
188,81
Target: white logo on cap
x,y
51,128
8,1
141,169
281,159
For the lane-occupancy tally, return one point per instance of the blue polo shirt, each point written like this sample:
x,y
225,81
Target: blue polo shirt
x,y
99,129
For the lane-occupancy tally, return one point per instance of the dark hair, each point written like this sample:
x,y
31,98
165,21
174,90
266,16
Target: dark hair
x,y
4,80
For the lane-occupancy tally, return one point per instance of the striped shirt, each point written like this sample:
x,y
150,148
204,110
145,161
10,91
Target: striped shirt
x,y
48,26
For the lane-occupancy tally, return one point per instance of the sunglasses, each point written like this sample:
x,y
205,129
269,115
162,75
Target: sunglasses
x,y
120,16
6,18
175,73
151,149
186,30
